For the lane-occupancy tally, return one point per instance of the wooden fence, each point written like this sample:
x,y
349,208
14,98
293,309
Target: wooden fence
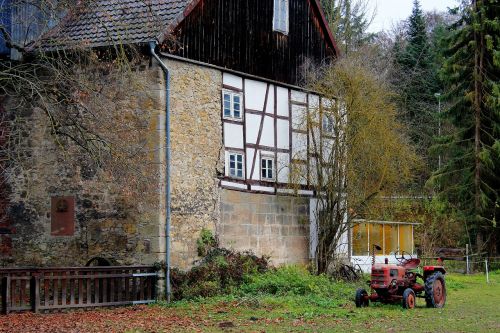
x,y
39,289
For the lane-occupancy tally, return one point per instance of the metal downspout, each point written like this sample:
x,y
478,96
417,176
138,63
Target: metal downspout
x,y
152,46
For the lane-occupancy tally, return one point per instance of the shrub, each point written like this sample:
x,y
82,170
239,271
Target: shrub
x,y
219,272
206,242
293,280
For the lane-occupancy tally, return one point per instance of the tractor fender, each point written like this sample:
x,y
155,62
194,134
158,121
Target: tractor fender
x,y
428,270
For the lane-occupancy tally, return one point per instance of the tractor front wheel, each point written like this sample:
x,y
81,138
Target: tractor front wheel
x,y
409,299
361,298
435,290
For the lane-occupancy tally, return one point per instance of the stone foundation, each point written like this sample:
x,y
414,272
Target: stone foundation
x,y
276,226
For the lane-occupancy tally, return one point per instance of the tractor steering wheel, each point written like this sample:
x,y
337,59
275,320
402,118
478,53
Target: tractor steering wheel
x,y
404,258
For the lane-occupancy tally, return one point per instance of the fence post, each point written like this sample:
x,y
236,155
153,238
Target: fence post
x,y
6,294
35,292
487,275
467,258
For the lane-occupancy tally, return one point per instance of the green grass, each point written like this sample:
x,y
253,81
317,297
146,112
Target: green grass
x,y
290,300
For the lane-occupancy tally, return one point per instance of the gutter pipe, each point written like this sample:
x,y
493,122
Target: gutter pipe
x,y
152,46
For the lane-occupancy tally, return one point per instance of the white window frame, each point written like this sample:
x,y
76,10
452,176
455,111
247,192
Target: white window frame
x,y
228,166
281,14
268,157
232,95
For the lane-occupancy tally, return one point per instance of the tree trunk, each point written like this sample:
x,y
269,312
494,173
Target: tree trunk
x,y
478,82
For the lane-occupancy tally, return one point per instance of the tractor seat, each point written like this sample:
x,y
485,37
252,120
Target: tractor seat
x,y
411,263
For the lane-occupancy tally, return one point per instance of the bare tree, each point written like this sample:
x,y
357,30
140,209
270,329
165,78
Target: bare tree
x,y
92,105
357,151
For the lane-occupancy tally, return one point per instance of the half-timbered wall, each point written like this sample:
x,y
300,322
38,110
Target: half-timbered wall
x,y
273,125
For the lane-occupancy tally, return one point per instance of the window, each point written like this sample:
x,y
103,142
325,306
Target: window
x,y
232,104
390,236
406,238
5,22
328,124
267,168
360,239
376,232
390,239
280,17
235,165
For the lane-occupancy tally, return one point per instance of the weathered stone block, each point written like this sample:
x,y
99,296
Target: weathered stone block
x,y
269,222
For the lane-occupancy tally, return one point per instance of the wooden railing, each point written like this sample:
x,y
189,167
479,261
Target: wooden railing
x,y
35,289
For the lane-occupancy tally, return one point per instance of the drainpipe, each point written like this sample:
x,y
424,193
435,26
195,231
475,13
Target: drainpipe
x,y
152,46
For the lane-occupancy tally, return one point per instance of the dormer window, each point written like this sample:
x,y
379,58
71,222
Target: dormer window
x,y
280,17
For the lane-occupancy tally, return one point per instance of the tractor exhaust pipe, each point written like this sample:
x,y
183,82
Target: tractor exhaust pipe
x,y
375,247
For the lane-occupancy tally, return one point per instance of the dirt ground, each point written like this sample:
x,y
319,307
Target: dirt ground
x,y
472,306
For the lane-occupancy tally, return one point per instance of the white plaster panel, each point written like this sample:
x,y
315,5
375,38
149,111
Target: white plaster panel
x,y
313,228
283,167
233,135
232,80
299,96
305,192
327,149
313,171
328,103
252,123
299,173
262,188
283,134
299,117
256,170
313,101
270,100
299,146
282,102
314,108
233,185
314,140
255,94
267,138
249,160
287,191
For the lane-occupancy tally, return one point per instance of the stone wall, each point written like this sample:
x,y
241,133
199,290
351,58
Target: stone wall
x,y
197,152
109,220
277,226
112,221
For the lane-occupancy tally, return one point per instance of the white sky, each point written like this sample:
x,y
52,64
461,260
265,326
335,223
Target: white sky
x,y
392,11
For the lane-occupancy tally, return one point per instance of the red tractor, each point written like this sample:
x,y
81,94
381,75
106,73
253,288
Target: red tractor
x,y
392,283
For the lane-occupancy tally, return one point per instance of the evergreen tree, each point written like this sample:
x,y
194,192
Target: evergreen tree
x,y
470,176
417,83
349,21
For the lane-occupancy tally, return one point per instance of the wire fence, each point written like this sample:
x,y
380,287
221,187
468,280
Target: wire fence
x,y
467,264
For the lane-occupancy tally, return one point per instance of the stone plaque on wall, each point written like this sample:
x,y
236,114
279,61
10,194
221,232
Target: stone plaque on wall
x,y
62,221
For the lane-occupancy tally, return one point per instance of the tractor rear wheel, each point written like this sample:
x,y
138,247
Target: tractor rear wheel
x,y
361,298
409,299
435,290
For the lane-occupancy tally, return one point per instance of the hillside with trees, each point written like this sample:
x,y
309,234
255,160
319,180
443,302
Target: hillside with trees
x,y
443,70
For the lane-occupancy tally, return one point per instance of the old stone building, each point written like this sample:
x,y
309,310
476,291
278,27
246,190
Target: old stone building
x,y
235,103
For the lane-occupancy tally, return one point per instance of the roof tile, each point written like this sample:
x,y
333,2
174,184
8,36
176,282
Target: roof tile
x,y
107,22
